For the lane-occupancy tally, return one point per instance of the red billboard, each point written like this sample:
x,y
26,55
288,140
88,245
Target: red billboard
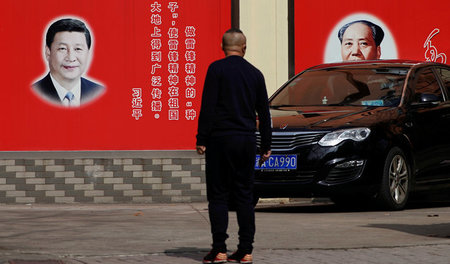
x,y
417,30
148,59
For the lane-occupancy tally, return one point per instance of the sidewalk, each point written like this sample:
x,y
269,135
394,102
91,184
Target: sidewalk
x,y
179,233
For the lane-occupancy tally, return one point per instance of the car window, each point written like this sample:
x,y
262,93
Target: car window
x,y
344,86
427,84
445,76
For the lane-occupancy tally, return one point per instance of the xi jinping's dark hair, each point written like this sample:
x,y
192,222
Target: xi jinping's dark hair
x,y
67,24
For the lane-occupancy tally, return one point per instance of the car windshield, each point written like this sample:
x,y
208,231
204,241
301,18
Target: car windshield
x,y
344,86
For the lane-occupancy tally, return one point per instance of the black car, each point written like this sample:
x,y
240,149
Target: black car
x,y
360,131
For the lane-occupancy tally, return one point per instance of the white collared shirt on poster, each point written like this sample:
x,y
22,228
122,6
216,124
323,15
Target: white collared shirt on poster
x,y
63,91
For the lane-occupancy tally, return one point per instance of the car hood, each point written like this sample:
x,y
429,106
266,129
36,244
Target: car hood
x,y
330,117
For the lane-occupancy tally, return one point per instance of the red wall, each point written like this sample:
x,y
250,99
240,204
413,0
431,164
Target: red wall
x,y
122,61
407,23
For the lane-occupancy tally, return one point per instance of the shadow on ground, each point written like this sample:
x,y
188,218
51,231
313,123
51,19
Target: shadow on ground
x,y
187,252
428,230
329,207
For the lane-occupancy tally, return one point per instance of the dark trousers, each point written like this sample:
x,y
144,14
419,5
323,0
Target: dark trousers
x,y
230,162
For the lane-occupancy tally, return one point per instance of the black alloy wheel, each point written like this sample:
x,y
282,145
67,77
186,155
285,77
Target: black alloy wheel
x,y
396,181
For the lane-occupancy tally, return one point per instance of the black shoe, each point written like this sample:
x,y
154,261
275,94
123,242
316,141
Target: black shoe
x,y
215,256
241,257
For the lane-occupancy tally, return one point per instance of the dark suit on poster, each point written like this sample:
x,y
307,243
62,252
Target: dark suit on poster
x,y
89,90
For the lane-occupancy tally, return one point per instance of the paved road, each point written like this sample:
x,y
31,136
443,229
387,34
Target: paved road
x,y
179,233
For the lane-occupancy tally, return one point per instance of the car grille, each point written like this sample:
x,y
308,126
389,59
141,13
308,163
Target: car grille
x,y
287,141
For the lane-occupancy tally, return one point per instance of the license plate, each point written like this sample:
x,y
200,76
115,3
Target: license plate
x,y
277,162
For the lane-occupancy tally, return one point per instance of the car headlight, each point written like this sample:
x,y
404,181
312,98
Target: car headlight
x,y
336,137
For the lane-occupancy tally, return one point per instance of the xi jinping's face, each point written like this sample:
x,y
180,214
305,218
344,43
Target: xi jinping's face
x,y
68,56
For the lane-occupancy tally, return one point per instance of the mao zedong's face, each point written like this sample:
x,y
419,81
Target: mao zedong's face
x,y
358,43
68,56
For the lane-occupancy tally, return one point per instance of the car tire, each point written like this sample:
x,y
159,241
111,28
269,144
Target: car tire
x,y
396,181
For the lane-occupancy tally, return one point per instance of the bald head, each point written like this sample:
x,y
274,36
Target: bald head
x,y
234,42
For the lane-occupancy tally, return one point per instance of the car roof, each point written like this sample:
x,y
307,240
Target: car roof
x,y
384,63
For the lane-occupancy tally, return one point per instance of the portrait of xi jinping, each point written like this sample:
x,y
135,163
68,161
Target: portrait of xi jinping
x,y
68,52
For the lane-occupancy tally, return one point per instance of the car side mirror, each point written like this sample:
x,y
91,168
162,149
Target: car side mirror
x,y
427,100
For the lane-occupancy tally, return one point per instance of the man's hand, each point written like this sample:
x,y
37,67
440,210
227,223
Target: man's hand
x,y
201,150
264,156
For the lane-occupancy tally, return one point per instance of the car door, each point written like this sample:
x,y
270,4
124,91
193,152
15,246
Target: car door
x,y
444,75
430,124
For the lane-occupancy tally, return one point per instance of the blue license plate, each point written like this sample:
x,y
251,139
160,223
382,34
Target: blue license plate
x,y
277,162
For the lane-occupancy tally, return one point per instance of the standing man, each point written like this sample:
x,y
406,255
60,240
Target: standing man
x,y
67,51
233,93
360,40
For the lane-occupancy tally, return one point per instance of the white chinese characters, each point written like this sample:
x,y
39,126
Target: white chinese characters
x,y
173,66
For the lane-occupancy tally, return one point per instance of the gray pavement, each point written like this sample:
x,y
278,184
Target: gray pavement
x,y
300,232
